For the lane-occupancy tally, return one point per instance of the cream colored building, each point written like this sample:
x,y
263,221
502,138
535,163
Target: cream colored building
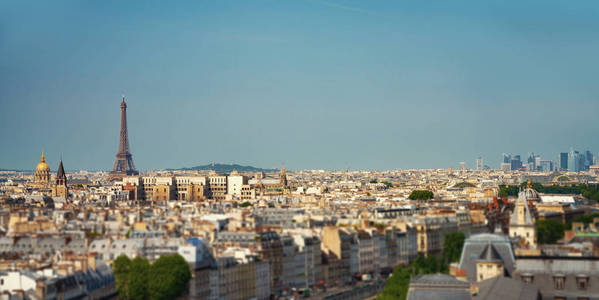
x,y
235,183
489,264
522,222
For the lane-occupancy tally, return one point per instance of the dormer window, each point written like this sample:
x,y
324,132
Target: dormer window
x,y
559,281
582,282
527,278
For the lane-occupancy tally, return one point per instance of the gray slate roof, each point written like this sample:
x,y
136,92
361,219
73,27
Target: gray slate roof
x,y
476,244
438,286
504,288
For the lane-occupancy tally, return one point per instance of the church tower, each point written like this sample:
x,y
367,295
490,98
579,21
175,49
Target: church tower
x,y
522,222
60,188
283,176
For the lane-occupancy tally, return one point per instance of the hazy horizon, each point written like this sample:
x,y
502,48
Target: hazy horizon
x,y
312,84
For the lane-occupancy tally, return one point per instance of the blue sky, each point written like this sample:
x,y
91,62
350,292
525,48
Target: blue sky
x,y
313,84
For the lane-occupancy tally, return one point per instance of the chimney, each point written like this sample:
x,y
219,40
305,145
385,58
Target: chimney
x,y
84,264
91,261
40,288
474,289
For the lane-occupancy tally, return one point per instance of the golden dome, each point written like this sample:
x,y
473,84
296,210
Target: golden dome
x,y
42,166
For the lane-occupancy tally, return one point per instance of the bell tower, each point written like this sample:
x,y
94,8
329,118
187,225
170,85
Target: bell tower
x,y
60,188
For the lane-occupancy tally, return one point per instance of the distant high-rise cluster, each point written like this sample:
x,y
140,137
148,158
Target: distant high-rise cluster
x,y
572,161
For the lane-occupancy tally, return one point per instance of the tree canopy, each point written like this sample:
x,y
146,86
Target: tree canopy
x,y
245,204
421,195
121,266
589,191
586,219
138,279
452,246
165,279
169,276
398,284
549,231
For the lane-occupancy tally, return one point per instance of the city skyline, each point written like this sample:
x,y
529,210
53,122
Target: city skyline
x,y
356,87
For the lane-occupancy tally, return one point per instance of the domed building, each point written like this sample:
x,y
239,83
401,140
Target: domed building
x,y
42,172
530,194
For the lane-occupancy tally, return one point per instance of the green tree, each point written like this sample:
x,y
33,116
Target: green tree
x,y
585,219
388,184
120,267
589,191
397,285
452,247
245,204
421,195
549,231
138,279
169,276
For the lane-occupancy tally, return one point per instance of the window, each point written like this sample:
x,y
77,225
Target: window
x,y
527,278
559,282
582,282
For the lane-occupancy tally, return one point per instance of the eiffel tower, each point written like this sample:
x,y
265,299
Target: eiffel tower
x,y
123,163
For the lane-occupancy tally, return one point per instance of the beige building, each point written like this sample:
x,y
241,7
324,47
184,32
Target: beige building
x,y
239,279
235,184
431,231
217,186
489,264
336,248
190,188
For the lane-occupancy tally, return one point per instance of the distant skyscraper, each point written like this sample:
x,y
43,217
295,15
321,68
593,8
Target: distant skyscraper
x,y
574,161
546,165
507,158
516,162
123,164
563,161
589,159
479,163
